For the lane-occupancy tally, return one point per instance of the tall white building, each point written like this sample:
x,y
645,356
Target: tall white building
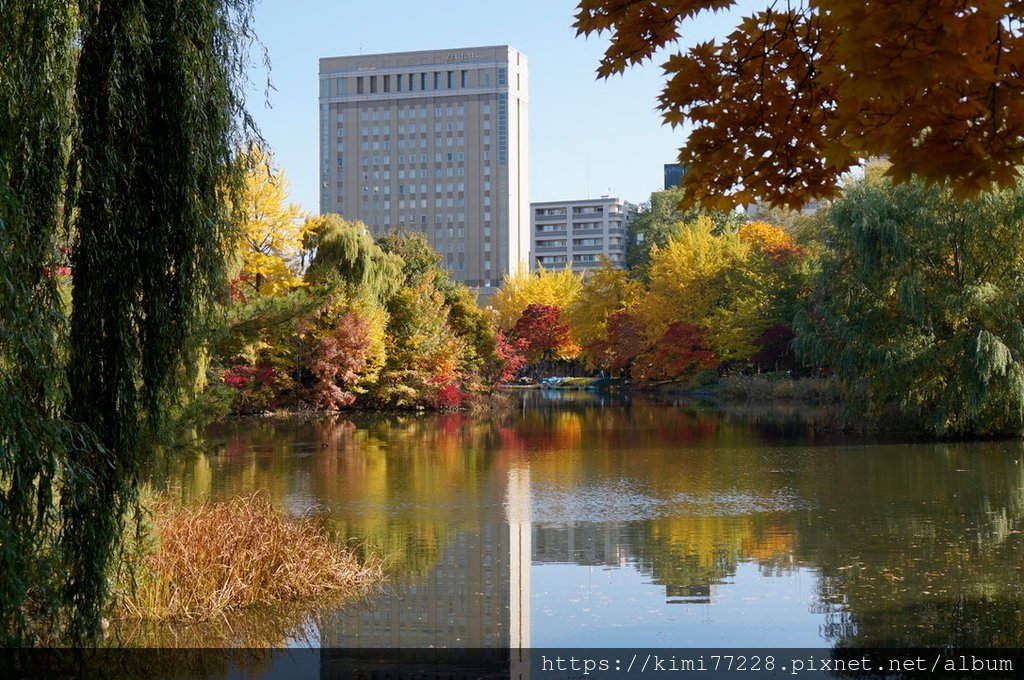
x,y
579,232
432,141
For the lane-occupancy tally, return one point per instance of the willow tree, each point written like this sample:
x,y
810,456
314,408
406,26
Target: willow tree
x,y
921,297
346,256
36,71
150,112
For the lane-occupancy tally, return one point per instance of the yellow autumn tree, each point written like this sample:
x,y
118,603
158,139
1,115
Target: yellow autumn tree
x,y
272,231
700,278
559,288
800,92
605,291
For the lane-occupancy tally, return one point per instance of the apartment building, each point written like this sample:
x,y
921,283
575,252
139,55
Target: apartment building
x,y
579,232
436,142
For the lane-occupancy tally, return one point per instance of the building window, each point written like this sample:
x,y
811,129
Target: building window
x,y
373,84
387,83
359,85
437,80
464,77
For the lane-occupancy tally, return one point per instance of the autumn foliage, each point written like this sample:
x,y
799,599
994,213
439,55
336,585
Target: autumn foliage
x,y
545,336
623,341
340,363
510,353
799,93
681,351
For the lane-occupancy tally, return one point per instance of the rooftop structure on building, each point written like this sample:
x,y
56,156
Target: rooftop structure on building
x,y
674,174
435,142
579,232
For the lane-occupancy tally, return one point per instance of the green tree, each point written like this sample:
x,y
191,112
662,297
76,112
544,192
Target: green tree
x,y
921,297
36,123
423,354
465,318
347,256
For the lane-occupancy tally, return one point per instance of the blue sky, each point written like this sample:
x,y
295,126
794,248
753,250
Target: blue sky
x,y
586,136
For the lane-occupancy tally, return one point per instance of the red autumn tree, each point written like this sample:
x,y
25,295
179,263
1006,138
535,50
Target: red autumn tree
x,y
624,341
774,353
682,351
341,358
255,387
544,333
511,357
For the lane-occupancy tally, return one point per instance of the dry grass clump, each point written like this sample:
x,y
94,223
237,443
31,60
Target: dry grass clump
x,y
773,387
216,558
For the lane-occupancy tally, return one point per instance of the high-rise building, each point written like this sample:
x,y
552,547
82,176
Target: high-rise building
x,y
579,232
435,142
674,173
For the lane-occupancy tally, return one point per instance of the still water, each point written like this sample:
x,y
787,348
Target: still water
x,y
583,521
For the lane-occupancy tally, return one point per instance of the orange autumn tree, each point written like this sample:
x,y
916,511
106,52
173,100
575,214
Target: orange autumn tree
x,y
800,92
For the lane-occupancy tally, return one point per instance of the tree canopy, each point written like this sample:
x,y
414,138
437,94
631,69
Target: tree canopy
x,y
799,93
919,298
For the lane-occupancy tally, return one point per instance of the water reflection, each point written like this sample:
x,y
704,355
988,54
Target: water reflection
x,y
584,520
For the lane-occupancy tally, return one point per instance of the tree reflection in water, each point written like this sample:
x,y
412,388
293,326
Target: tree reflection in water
x,y
911,544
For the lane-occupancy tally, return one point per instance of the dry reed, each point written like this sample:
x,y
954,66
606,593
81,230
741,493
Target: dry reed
x,y
216,558
774,388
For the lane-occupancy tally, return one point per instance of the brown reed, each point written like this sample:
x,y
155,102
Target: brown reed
x,y
219,557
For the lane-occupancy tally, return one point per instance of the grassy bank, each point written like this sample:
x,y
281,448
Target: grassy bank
x,y
774,387
204,561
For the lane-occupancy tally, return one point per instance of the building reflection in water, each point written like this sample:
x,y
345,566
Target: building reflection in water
x,y
477,595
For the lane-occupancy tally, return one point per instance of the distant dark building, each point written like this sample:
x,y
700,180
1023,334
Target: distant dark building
x,y
674,174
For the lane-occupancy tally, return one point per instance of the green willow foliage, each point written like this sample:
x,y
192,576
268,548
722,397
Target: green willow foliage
x,y
157,110
921,297
347,255
36,80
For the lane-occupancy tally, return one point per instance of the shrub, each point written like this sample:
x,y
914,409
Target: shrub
x,y
255,387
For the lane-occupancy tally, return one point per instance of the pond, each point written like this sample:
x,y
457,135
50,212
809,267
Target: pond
x,y
579,520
